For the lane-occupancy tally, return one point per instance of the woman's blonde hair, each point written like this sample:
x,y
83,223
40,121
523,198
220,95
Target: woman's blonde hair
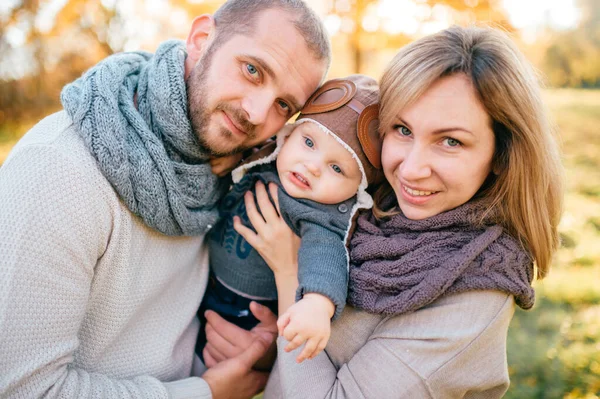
x,y
524,192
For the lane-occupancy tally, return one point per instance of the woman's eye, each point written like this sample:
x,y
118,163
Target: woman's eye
x,y
251,69
450,142
336,169
308,142
403,130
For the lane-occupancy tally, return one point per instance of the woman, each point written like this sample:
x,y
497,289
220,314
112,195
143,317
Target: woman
x,y
473,200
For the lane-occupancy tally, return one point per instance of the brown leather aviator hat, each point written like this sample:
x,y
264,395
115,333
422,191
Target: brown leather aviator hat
x,y
349,109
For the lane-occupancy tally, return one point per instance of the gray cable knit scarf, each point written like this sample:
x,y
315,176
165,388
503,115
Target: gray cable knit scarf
x,y
150,155
399,265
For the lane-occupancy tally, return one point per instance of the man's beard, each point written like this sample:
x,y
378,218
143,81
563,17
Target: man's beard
x,y
199,112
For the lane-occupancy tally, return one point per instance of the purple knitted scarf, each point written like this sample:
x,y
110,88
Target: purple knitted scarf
x,y
399,265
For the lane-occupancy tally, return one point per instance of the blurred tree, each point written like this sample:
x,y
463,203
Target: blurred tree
x,y
573,57
51,48
375,25
46,44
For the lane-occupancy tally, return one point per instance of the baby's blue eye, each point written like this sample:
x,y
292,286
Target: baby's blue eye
x,y
336,169
251,69
309,142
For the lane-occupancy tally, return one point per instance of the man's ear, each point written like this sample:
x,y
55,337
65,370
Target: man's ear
x,y
200,35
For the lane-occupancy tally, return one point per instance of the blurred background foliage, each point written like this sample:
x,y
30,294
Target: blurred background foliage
x,y
554,349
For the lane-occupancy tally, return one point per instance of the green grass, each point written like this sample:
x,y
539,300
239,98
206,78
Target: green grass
x,y
554,349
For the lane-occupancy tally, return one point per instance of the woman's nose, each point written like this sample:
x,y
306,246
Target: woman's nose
x,y
416,164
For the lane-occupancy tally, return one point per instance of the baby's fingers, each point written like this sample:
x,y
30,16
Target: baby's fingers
x,y
295,343
309,349
320,347
283,322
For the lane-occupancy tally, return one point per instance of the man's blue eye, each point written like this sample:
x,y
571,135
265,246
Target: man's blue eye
x,y
336,169
308,142
405,131
251,69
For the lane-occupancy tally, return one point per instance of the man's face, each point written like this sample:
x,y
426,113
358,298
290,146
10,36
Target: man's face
x,y
242,92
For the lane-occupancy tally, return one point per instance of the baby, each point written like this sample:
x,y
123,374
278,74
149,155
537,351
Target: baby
x,y
322,164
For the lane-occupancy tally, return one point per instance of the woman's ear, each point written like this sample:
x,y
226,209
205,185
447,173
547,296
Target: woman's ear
x,y
496,169
199,37
499,164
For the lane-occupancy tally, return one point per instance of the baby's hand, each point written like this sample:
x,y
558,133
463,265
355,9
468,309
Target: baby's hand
x,y
308,320
220,166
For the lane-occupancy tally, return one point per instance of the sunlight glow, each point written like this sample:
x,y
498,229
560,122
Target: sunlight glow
x,y
44,20
400,16
412,17
530,14
332,23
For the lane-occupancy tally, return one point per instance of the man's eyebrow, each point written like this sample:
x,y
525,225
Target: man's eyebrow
x,y
296,105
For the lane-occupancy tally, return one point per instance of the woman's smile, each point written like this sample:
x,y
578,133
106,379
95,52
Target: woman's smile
x,y
417,197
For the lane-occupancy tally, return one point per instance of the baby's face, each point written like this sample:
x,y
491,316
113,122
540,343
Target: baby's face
x,y
314,165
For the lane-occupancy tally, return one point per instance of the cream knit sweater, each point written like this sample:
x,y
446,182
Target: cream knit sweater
x,y
92,302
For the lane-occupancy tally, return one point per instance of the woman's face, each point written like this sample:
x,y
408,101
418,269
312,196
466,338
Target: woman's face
x,y
439,150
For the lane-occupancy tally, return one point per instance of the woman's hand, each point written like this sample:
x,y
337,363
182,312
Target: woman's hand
x,y
273,240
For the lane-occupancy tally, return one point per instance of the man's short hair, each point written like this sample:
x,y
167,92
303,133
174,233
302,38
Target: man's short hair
x,y
239,17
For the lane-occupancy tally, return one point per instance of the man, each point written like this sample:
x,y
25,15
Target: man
x,y
103,207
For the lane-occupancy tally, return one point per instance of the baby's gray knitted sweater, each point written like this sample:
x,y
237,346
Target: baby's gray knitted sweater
x,y
322,258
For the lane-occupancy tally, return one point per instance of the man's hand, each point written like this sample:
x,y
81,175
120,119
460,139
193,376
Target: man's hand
x,y
308,320
221,166
226,340
234,378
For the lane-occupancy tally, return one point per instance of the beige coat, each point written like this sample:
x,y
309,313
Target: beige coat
x,y
453,348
